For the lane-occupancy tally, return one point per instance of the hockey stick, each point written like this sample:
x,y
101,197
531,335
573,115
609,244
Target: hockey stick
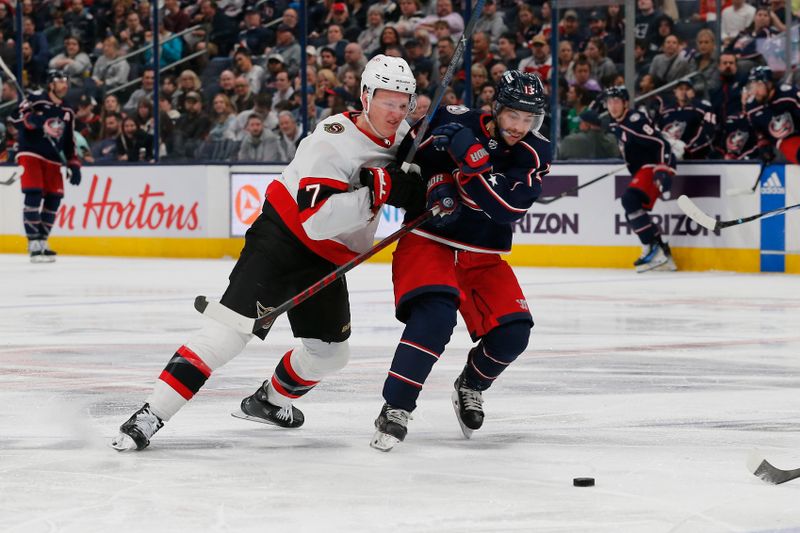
x,y
551,199
445,82
699,216
738,191
243,324
12,179
761,468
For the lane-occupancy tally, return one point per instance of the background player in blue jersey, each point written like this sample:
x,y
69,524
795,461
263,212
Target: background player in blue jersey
x,y
483,170
46,141
774,114
687,123
652,165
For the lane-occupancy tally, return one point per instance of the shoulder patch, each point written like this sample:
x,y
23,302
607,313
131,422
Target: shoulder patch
x,y
786,87
333,127
457,109
635,117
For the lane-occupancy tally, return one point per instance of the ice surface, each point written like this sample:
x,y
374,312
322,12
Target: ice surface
x,y
657,385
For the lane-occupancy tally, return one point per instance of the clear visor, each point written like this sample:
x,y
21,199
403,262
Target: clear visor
x,y
520,120
391,106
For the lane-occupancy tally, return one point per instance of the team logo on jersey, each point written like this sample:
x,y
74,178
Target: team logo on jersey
x,y
675,129
333,127
781,125
54,128
523,303
492,144
457,109
736,141
635,117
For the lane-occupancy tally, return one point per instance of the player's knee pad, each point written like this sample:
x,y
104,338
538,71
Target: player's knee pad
x,y
431,320
52,202
33,198
317,359
633,200
217,344
496,351
508,340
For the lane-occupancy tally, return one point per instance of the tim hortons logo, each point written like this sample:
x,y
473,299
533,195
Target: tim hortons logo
x,y
145,211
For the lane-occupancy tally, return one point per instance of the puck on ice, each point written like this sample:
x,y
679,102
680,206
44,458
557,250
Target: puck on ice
x,y
583,482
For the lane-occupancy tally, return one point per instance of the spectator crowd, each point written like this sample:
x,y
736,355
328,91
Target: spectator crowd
x,y
232,89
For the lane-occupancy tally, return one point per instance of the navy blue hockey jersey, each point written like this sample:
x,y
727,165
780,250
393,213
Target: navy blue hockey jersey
x,y
46,130
694,124
737,141
492,201
640,143
778,118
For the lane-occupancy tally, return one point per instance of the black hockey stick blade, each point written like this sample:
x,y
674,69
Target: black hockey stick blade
x,y
764,470
551,199
10,180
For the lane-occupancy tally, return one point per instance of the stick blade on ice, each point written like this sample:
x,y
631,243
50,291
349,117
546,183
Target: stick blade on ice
x,y
695,213
764,470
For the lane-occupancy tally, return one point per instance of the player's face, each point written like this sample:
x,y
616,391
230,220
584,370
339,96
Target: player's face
x,y
387,110
60,87
616,107
758,89
515,124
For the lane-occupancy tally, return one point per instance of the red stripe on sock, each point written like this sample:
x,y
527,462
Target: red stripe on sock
x,y
179,387
280,390
193,358
289,370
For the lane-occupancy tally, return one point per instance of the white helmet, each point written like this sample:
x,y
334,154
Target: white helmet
x,y
391,74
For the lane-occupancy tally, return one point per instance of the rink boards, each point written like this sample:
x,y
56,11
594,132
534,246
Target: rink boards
x,y
203,211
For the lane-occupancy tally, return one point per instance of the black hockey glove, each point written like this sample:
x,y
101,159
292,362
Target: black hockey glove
x,y
766,153
74,172
390,185
664,181
442,194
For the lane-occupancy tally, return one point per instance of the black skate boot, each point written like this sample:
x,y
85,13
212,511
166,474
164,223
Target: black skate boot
x,y
258,409
468,404
391,427
135,434
47,252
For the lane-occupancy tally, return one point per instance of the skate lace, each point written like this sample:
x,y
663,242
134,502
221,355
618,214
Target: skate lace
x,y
285,413
471,399
398,416
147,422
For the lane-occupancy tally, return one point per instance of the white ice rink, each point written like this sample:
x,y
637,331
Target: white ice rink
x,y
656,385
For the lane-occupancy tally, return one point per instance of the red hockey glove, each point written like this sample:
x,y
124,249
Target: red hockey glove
x,y
390,185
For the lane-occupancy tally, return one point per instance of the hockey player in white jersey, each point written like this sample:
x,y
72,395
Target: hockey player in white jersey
x,y
318,215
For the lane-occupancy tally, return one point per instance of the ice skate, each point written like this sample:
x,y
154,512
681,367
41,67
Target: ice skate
x,y
653,256
135,434
257,408
48,252
468,405
36,249
390,427
670,265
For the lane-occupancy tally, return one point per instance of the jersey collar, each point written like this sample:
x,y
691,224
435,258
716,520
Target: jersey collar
x,y
385,143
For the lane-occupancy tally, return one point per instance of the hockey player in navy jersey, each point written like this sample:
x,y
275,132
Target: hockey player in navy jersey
x,y
687,122
652,165
46,141
483,170
774,114
319,214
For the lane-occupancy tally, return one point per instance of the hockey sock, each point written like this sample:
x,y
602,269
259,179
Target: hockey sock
x,y
498,349
638,218
428,330
49,210
190,367
301,369
31,215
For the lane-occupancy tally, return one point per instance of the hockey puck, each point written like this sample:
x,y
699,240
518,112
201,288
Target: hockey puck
x,y
583,482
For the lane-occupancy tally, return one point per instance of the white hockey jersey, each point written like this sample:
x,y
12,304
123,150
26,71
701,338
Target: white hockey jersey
x,y
319,196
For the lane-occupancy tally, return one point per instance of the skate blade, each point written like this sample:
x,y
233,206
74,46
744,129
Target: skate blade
x,y
652,265
123,443
244,416
464,429
383,441
42,259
